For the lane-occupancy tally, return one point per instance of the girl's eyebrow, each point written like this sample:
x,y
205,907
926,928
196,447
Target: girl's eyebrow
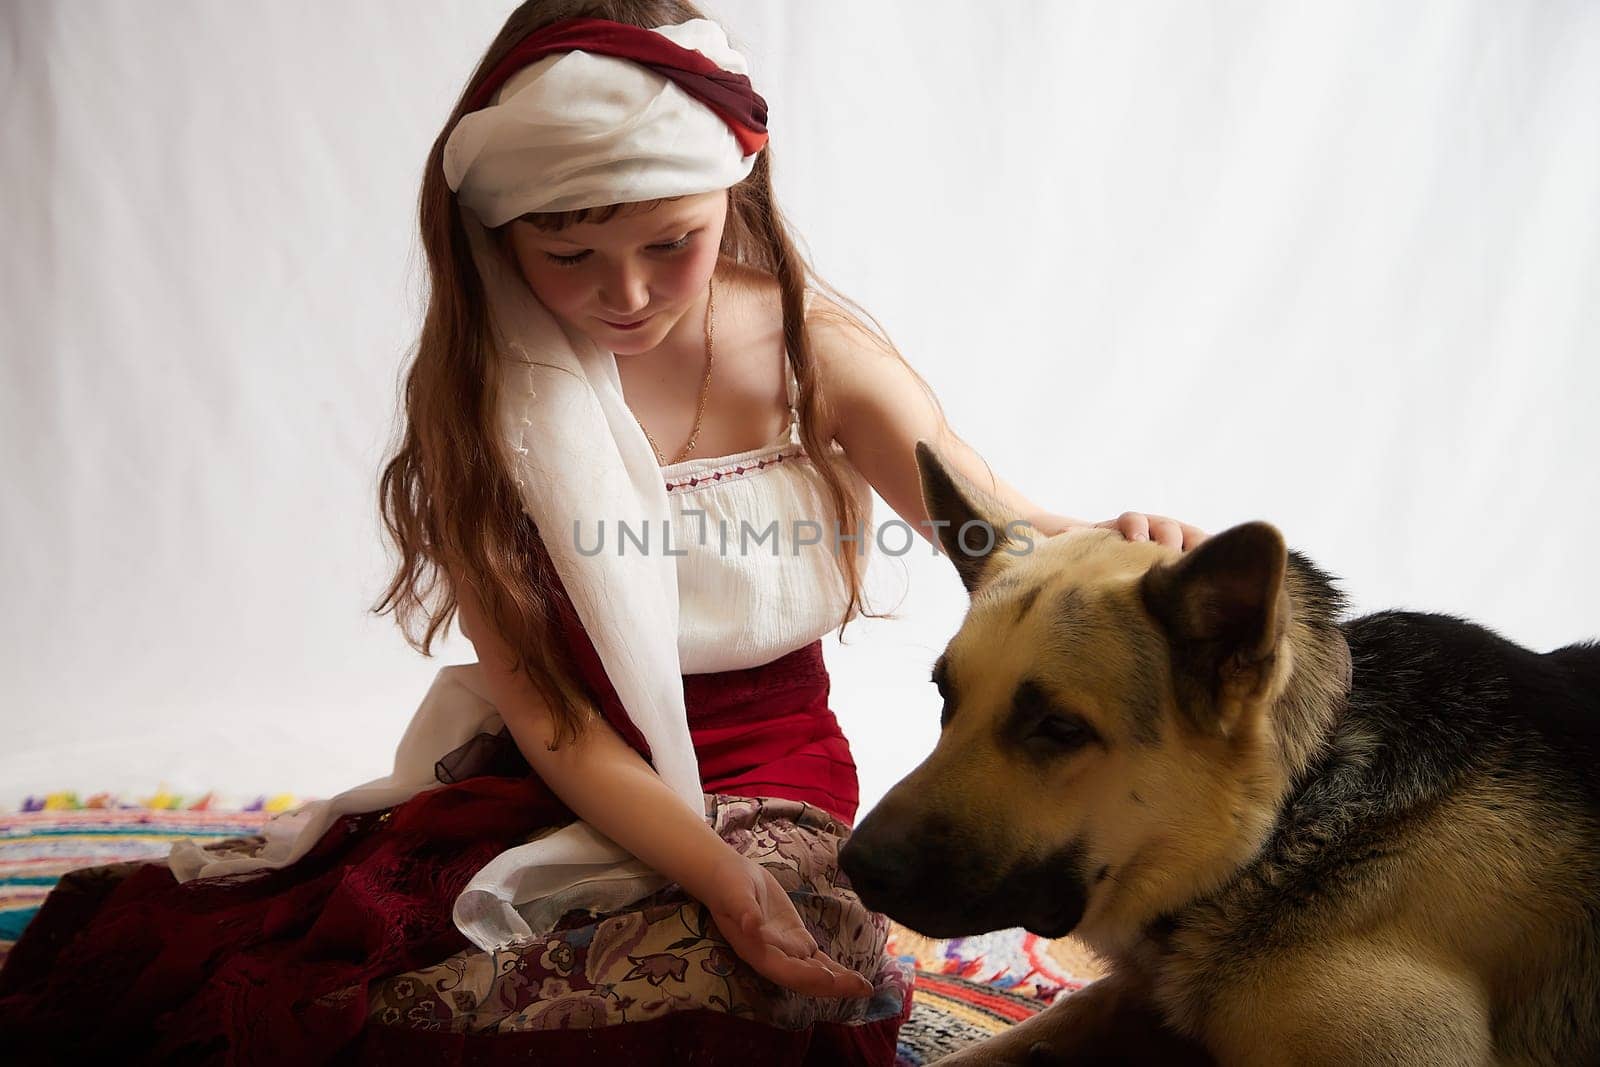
x,y
675,227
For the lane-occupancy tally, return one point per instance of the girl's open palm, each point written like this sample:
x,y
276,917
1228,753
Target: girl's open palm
x,y
759,921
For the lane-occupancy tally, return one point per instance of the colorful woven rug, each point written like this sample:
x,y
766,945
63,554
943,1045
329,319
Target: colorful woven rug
x,y
971,988
53,835
967,989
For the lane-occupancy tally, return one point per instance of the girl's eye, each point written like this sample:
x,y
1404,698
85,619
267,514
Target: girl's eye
x,y
673,246
578,257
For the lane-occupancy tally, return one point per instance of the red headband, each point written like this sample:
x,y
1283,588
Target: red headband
x,y
729,95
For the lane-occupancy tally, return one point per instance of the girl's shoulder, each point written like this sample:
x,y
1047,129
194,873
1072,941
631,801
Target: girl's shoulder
x,y
756,295
757,304
843,349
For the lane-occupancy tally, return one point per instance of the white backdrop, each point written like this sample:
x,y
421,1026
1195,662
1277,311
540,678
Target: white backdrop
x,y
1336,265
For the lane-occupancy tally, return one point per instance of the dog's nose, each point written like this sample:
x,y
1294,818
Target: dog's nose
x,y
877,868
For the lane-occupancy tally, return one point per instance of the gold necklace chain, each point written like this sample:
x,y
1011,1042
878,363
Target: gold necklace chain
x,y
705,384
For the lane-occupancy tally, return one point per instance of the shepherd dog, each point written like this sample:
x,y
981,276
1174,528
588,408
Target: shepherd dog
x,y
1292,837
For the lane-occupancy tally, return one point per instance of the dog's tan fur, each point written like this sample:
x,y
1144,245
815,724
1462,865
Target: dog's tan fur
x,y
1463,941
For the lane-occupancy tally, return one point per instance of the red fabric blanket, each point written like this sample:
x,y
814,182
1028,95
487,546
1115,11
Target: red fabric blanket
x,y
274,966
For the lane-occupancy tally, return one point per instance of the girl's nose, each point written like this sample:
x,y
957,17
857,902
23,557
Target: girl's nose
x,y
624,292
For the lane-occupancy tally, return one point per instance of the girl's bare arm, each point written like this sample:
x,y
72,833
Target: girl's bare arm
x,y
881,412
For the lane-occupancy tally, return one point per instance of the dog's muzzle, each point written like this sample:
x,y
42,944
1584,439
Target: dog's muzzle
x,y
943,883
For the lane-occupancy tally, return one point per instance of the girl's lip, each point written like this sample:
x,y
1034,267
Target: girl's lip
x,y
627,325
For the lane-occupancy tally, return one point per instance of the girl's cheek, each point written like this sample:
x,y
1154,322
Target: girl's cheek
x,y
558,293
695,270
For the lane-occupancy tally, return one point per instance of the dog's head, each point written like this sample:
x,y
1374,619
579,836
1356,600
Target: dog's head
x,y
1105,749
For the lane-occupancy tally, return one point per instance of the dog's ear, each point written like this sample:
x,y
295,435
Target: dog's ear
x,y
970,524
1224,607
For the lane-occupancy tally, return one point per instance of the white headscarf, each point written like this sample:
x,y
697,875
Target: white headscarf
x,y
576,130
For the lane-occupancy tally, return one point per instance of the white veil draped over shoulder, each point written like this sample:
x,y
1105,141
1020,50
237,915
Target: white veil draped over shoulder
x,y
568,131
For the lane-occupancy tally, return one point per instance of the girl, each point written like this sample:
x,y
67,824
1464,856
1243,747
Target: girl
x,y
641,772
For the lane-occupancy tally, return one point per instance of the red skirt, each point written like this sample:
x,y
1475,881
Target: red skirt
x,y
244,968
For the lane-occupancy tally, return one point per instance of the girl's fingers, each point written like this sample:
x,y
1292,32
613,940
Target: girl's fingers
x,y
819,976
1129,524
1135,525
1138,526
853,984
803,976
841,972
1165,531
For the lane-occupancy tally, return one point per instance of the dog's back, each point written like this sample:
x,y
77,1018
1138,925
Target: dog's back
x,y
1576,685
1445,844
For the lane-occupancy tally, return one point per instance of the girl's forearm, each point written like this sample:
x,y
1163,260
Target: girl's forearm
x,y
599,776
611,787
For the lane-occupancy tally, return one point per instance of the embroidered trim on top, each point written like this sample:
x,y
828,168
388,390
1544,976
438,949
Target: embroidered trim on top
x,y
735,471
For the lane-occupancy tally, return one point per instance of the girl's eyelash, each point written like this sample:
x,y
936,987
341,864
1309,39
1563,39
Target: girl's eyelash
x,y
578,257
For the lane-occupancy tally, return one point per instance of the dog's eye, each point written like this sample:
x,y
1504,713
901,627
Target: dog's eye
x,y
1064,732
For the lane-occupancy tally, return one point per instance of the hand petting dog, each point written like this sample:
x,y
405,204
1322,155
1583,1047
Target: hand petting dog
x,y
1133,526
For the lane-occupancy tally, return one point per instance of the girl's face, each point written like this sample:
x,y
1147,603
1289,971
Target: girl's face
x,y
626,282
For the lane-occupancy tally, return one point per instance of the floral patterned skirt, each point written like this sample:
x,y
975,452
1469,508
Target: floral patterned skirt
x,y
658,979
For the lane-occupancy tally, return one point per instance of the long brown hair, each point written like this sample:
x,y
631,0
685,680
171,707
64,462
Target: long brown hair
x,y
446,497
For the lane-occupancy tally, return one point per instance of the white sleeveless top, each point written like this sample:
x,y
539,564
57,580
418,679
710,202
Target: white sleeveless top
x,y
750,587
